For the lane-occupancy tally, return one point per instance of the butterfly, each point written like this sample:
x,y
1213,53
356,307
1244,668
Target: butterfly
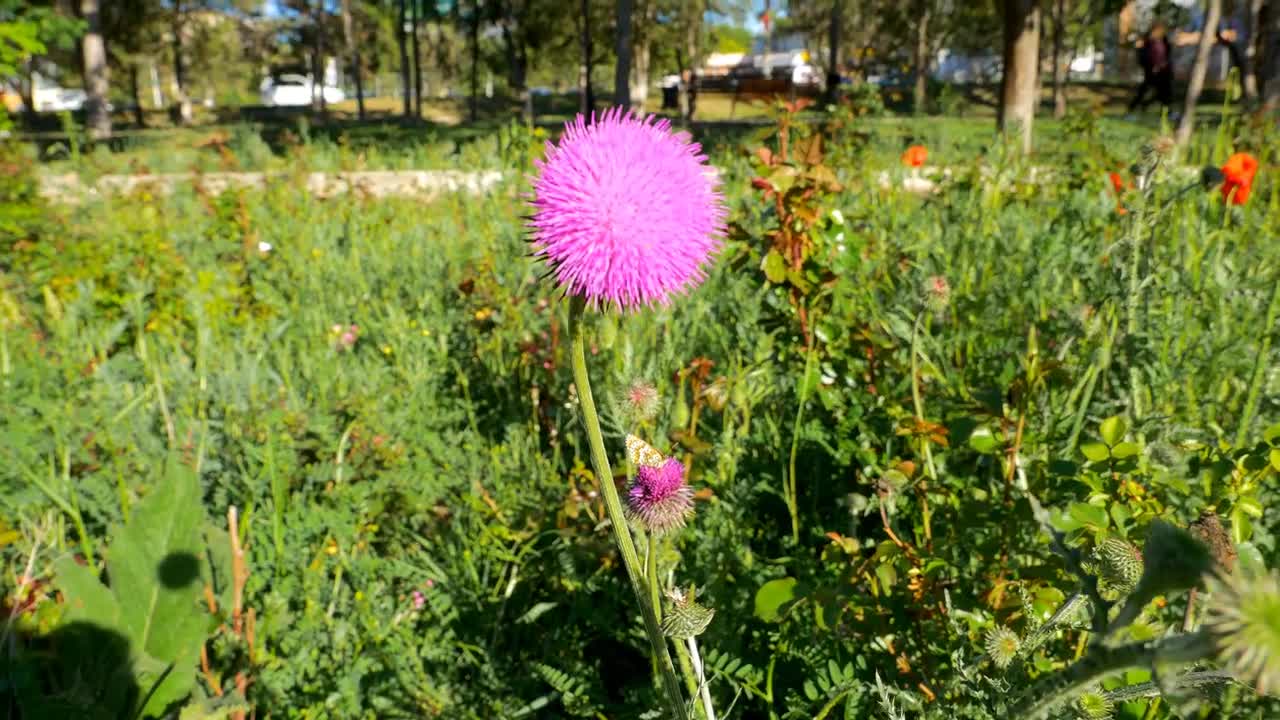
x,y
642,454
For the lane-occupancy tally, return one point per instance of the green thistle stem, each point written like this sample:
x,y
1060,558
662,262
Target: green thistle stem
x,y
1104,662
618,521
1259,366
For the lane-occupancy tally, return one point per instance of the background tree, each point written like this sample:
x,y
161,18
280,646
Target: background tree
x,y
1021,57
622,67
96,73
352,45
1208,38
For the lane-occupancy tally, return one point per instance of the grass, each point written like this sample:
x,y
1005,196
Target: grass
x,y
423,534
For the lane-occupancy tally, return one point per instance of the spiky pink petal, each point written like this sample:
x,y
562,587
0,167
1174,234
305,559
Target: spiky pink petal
x,y
626,211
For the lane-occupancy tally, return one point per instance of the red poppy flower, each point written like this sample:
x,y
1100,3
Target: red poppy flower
x,y
1117,182
915,156
1238,178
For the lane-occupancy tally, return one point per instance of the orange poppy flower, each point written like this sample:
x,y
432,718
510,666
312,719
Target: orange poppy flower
x,y
1118,185
915,156
1238,178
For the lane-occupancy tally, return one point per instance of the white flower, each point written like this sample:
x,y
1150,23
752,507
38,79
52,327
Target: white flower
x,y
837,216
264,247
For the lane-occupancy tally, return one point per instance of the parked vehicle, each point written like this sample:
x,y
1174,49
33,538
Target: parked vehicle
x,y
296,91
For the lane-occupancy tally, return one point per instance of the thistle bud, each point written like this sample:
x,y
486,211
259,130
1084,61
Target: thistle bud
x,y
1120,564
640,401
685,618
937,293
1242,623
1093,705
1002,646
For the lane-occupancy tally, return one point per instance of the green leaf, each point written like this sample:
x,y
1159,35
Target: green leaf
x,y
1272,435
1089,515
154,566
1250,505
772,596
88,600
1241,528
1275,458
1124,450
775,268
1250,560
983,440
1112,430
1096,452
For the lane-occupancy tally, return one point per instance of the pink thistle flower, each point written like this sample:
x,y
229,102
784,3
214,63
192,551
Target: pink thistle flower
x,y
659,499
419,600
626,210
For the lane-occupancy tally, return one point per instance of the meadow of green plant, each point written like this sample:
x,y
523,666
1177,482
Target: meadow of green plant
x,y
345,476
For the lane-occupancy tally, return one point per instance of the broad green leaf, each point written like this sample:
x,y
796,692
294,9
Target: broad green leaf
x,y
1089,515
1272,434
1124,450
88,600
983,440
1275,458
154,566
1250,560
775,268
1241,528
1096,452
1250,505
1112,430
772,596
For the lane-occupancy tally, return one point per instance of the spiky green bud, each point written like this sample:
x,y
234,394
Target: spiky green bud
x,y
1174,559
1244,621
1120,564
1093,705
685,618
1002,646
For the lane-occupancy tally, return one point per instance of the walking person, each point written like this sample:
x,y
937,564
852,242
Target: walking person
x,y
1155,57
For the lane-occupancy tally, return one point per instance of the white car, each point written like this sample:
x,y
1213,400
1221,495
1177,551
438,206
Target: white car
x,y
296,91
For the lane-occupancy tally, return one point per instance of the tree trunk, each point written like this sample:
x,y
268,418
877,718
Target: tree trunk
x,y
1269,50
317,80
96,79
1060,8
517,61
693,10
768,37
415,24
641,36
475,60
622,70
181,111
1208,38
135,88
1021,66
833,51
353,54
1252,50
586,98
920,93
406,89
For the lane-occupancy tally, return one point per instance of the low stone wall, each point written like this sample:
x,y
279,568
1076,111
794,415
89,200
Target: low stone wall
x,y
69,188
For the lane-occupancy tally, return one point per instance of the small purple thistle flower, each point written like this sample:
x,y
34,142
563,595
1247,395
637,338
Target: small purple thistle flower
x,y
626,211
659,499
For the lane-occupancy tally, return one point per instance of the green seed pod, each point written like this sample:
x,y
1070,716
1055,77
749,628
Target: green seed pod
x,y
680,411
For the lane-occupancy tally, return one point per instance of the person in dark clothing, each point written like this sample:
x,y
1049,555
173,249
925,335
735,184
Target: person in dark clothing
x,y
1157,69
